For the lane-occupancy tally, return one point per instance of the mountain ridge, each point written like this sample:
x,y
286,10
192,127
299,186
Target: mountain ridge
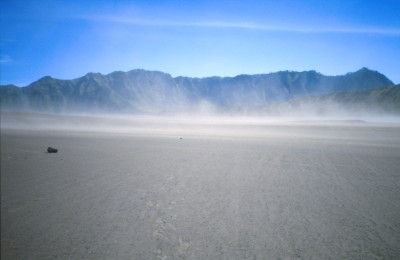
x,y
155,92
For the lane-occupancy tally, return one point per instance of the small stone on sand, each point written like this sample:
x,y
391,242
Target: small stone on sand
x,y
52,150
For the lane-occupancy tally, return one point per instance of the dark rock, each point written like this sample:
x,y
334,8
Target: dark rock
x,y
52,150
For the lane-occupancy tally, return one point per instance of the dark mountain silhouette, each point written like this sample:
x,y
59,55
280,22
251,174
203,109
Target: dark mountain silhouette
x,y
153,92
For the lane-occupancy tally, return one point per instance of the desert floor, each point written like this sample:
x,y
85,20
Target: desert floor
x,y
207,189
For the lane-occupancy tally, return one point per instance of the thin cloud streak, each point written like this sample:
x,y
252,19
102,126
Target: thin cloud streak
x,y
5,59
244,26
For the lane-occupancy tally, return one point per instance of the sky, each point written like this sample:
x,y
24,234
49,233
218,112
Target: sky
x,y
68,39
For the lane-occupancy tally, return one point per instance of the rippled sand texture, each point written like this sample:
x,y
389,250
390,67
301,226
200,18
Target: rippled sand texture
x,y
201,191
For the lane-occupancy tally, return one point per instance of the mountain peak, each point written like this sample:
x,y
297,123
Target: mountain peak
x,y
46,78
43,80
370,75
365,69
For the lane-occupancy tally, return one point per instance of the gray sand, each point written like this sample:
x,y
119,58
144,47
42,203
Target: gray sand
x,y
319,190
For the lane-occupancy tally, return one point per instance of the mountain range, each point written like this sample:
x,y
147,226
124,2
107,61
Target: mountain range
x,y
154,92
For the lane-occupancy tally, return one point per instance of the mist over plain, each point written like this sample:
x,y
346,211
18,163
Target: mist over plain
x,y
207,124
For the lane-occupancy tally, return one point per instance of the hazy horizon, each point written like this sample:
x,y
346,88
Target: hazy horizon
x,y
202,124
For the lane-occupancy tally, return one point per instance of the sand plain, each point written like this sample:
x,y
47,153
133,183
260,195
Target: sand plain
x,y
218,189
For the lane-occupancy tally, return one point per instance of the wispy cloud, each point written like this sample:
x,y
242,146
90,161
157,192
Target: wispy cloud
x,y
5,59
5,42
245,26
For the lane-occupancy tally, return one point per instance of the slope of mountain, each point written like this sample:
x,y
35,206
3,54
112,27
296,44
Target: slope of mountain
x,y
153,92
373,102
264,88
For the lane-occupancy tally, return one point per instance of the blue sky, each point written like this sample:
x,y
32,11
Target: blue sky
x,y
67,39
